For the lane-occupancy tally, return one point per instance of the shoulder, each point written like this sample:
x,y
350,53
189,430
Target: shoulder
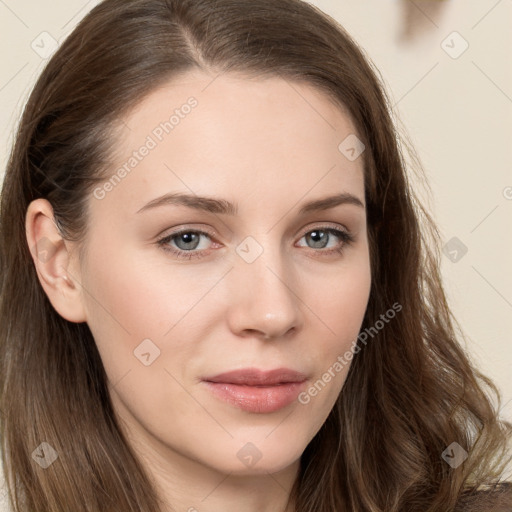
x,y
4,498
496,499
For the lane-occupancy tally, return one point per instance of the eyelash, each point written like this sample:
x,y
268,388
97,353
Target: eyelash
x,y
345,236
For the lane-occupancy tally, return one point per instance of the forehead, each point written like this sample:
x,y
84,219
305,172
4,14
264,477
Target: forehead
x,y
216,134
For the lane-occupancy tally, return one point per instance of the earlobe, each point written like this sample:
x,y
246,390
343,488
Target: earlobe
x,y
52,258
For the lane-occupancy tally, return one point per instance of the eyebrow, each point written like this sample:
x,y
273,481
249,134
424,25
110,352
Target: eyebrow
x,y
222,206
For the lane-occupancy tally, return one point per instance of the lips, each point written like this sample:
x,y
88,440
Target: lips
x,y
257,391
255,377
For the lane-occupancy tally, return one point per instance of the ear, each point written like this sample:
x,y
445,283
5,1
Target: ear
x,y
52,257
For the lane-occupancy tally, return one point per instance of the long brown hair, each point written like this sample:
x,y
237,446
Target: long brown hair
x,y
410,392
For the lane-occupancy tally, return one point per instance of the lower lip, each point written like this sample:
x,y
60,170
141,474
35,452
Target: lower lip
x,y
255,398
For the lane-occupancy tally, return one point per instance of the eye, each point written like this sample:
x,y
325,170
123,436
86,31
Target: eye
x,y
186,242
321,236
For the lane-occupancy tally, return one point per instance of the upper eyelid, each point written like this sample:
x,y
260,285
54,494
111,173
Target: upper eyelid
x,y
213,233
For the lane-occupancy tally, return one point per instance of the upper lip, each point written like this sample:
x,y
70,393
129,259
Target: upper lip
x,y
257,377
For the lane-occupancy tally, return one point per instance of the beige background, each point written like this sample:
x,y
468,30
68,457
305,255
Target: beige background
x,y
456,107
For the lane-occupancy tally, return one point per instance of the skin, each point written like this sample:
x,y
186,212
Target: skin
x,y
268,145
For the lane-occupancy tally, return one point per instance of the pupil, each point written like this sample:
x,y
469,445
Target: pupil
x,y
188,238
317,236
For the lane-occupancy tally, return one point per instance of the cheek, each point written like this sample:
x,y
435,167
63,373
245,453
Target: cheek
x,y
125,293
123,306
130,299
340,311
342,304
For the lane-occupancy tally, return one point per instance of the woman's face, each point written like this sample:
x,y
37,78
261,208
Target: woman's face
x,y
255,280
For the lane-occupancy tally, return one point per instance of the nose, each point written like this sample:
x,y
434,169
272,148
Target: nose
x,y
263,301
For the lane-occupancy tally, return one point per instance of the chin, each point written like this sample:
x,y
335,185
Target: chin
x,y
255,458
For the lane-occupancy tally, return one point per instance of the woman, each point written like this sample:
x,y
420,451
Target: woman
x,y
216,292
